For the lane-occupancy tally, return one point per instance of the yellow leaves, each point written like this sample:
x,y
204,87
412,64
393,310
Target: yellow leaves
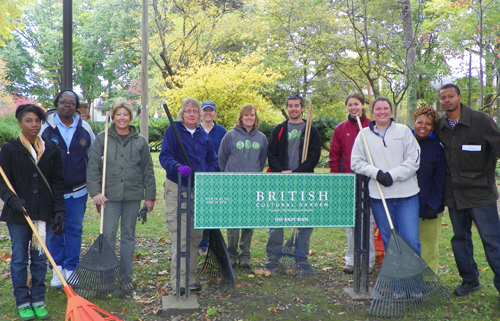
x,y
230,84
272,309
326,268
262,272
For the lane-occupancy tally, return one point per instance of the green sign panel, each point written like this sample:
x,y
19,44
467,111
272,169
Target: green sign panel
x,y
267,200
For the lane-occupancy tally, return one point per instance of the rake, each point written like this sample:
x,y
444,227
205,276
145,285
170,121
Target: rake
x,y
292,260
99,274
77,308
405,283
217,265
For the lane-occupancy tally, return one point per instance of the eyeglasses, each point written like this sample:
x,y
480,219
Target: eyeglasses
x,y
194,112
64,102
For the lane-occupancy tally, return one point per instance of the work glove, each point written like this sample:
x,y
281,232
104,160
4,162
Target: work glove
x,y
184,170
58,226
384,178
143,214
430,214
18,205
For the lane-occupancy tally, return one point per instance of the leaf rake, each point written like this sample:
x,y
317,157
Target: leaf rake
x,y
292,260
99,274
405,283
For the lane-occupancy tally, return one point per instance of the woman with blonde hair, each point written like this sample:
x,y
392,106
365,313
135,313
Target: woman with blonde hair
x,y
243,149
129,180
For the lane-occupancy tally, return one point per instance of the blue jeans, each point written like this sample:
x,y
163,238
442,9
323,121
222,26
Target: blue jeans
x,y
404,216
20,236
488,226
65,248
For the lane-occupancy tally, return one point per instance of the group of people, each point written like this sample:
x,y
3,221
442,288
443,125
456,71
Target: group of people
x,y
50,169
445,161
57,161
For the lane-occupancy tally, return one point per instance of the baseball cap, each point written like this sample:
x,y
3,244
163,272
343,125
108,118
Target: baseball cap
x,y
208,103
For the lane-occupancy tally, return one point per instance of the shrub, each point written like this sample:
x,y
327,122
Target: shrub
x,y
8,129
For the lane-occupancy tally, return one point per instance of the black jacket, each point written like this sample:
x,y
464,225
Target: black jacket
x,y
471,150
277,151
29,185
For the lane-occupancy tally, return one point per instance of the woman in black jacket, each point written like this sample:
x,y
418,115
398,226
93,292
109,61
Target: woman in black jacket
x,y
34,168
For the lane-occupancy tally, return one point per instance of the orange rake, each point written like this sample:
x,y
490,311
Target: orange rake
x,y
77,309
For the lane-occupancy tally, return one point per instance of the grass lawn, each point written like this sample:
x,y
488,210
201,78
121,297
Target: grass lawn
x,y
258,297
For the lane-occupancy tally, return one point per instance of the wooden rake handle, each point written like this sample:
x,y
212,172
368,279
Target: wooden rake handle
x,y
371,162
307,135
104,162
39,238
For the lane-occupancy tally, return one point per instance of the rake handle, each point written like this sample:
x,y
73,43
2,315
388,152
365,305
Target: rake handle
x,y
104,161
307,135
371,163
39,238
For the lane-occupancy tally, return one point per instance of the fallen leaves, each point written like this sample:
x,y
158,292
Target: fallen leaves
x,y
262,272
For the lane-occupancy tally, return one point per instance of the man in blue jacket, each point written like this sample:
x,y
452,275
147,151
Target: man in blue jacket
x,y
74,138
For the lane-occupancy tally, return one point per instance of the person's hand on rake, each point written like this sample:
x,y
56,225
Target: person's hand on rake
x,y
384,178
184,170
17,204
100,200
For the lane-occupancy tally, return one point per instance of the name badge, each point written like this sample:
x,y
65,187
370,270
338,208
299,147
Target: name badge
x,y
471,148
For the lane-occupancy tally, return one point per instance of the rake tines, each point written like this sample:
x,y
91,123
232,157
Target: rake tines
x,y
292,260
99,273
405,283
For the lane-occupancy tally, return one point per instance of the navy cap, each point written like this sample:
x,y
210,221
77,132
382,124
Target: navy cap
x,y
208,103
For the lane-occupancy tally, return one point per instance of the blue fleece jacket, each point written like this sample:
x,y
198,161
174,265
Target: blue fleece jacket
x,y
431,175
199,148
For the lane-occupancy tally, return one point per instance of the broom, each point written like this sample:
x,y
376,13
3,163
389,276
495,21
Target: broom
x,y
77,308
405,282
99,273
292,260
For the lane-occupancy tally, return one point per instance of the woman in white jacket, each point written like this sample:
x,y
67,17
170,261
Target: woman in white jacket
x,y
396,157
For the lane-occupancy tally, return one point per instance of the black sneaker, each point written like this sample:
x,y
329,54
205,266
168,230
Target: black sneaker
x,y
194,287
467,288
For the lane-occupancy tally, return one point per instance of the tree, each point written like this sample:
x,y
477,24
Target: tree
x,y
230,84
10,18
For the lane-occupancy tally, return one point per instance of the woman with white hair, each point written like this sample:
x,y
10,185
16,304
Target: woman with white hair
x,y
200,150
129,180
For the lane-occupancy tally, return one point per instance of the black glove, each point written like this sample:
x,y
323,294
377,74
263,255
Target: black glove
x,y
384,178
143,214
17,204
430,214
58,226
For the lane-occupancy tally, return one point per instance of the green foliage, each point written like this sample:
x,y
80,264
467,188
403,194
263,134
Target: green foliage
x,y
8,129
97,127
156,129
266,128
325,126
230,84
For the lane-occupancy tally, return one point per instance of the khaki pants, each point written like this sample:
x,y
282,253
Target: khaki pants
x,y
170,194
428,231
